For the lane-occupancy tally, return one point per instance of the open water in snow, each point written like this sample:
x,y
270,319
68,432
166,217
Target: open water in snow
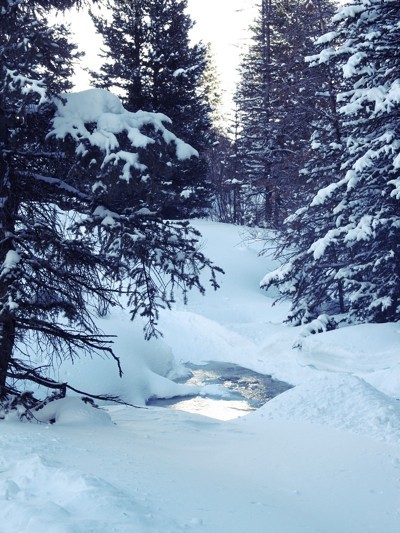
x,y
229,390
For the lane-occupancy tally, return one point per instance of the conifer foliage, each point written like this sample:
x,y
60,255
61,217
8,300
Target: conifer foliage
x,y
149,57
67,246
351,263
275,100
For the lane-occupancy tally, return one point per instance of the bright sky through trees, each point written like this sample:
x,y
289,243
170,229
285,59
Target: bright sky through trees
x,y
222,22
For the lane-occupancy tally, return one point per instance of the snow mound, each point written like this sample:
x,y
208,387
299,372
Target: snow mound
x,y
341,401
198,339
149,367
107,118
46,497
357,347
89,105
72,411
154,386
370,351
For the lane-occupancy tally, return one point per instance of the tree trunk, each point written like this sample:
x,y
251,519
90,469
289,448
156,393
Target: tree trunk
x,y
266,14
7,226
7,338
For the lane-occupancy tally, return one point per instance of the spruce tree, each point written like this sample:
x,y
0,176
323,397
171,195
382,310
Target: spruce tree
x,y
352,263
149,56
68,248
35,59
276,105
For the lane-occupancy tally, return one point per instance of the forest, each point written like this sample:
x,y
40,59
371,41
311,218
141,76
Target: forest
x,y
98,190
200,307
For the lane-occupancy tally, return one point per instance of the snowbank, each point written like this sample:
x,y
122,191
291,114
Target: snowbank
x,y
149,367
322,457
341,401
72,411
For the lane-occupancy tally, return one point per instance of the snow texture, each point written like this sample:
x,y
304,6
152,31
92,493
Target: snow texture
x,y
322,457
97,117
10,262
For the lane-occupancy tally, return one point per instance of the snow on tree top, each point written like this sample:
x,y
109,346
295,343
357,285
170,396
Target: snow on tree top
x,y
89,105
105,112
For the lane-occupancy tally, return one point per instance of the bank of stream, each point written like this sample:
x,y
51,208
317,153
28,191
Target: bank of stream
x,y
228,390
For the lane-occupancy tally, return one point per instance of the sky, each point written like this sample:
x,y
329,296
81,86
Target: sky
x,y
223,23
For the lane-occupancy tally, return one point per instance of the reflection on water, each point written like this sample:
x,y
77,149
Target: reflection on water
x,y
229,391
218,408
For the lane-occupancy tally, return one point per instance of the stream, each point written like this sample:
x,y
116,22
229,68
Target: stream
x,y
228,390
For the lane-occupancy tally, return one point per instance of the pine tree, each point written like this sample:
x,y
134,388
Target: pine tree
x,y
275,99
67,247
253,108
352,263
125,37
221,156
226,173
150,57
34,59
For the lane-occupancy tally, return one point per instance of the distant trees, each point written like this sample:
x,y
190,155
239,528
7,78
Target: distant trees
x,y
68,246
226,173
346,239
150,58
276,106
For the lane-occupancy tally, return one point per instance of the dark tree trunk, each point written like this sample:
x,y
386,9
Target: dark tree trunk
x,y
8,208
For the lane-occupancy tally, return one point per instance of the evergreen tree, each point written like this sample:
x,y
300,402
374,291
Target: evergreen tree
x,y
252,100
67,247
34,58
352,262
149,56
226,174
221,155
275,99
211,94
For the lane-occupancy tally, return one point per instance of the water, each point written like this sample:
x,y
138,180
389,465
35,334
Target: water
x,y
229,390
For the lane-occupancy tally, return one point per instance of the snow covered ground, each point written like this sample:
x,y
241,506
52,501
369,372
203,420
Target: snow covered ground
x,y
322,457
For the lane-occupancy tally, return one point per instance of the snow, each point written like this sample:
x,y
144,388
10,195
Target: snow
x,y
318,248
27,85
363,231
321,457
324,194
10,262
90,105
71,411
351,68
348,11
96,117
326,38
